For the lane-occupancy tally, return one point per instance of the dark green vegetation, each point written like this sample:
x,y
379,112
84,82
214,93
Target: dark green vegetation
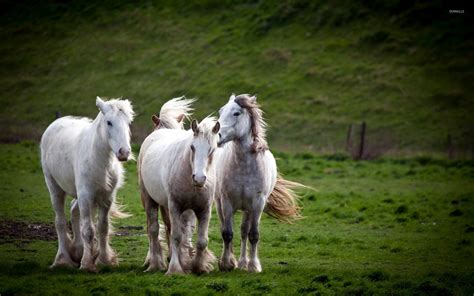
x,y
404,67
392,226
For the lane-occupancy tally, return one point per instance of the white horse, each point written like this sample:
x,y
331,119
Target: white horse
x,y
247,180
172,115
81,157
175,170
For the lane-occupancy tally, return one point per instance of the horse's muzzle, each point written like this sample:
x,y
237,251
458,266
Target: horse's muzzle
x,y
123,154
199,181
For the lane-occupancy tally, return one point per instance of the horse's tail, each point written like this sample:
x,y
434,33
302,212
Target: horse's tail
x,y
116,211
174,111
283,202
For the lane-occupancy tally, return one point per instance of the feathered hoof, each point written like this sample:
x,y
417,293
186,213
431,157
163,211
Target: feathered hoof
x,y
254,266
204,263
243,263
227,265
110,261
88,267
155,266
175,270
63,260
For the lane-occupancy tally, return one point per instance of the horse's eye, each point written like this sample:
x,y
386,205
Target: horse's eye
x,y
236,114
192,148
109,123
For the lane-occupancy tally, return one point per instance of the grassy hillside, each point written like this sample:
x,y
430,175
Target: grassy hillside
x,y
317,66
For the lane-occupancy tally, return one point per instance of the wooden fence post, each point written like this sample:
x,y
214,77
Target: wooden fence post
x,y
362,140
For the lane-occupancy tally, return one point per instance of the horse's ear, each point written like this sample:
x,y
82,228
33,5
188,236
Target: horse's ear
x,y
180,117
253,99
101,105
216,128
232,97
194,126
155,119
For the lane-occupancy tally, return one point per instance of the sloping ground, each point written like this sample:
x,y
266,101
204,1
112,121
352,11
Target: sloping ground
x,y
317,66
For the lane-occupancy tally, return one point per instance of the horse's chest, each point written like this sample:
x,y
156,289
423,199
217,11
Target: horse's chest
x,y
245,181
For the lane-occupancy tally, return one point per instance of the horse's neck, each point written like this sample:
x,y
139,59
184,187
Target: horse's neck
x,y
99,150
181,159
242,147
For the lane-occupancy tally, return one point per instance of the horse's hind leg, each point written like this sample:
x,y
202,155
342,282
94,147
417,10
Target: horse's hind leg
x,y
244,230
76,246
154,258
226,213
204,259
254,235
58,196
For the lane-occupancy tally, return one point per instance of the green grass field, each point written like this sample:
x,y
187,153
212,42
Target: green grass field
x,y
402,224
392,226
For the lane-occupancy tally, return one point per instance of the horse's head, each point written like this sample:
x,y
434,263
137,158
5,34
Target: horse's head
x,y
117,116
203,144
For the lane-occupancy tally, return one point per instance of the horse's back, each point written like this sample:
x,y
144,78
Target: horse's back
x,y
57,146
157,160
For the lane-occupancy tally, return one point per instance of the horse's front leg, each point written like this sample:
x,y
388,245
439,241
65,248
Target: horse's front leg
x,y
76,247
106,256
254,235
244,231
154,258
227,262
204,260
58,196
85,201
176,236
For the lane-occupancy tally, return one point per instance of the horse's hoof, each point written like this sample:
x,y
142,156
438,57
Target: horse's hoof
x,y
243,264
107,261
227,266
88,268
254,266
155,267
63,260
176,272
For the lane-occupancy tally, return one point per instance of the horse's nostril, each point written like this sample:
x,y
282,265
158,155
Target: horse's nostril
x,y
194,176
120,151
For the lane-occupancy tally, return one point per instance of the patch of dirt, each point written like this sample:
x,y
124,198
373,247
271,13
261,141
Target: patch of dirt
x,y
17,230
11,231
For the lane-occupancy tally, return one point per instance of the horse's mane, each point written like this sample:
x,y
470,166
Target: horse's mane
x,y
172,110
124,106
258,125
206,126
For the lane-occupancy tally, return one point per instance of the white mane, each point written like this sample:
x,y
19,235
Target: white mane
x,y
125,106
205,129
175,108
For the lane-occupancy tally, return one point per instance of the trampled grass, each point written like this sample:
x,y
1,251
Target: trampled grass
x,y
392,226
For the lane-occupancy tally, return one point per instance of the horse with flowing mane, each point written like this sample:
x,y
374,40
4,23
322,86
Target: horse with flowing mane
x,y
176,174
247,180
82,158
